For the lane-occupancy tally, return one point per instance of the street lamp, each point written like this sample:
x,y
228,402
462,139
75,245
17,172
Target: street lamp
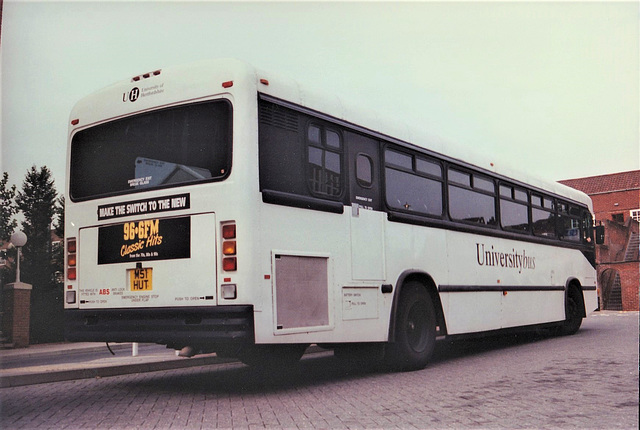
x,y
18,239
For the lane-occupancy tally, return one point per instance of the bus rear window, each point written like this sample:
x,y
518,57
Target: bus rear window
x,y
159,149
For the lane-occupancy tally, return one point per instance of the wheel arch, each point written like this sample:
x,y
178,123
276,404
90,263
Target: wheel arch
x,y
429,284
573,286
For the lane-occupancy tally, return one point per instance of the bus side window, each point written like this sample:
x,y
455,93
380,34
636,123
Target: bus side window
x,y
324,150
568,222
587,227
413,187
364,171
472,198
514,211
543,216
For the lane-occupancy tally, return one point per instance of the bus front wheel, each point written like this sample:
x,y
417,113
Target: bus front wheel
x,y
415,331
573,312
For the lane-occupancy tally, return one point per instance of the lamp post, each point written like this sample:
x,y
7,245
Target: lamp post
x,y
18,239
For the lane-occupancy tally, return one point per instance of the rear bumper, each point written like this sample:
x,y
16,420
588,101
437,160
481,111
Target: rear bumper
x,y
176,327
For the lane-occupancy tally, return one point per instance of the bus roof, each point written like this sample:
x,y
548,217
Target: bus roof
x,y
398,130
197,80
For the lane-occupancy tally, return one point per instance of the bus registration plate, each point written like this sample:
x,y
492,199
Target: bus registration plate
x,y
141,279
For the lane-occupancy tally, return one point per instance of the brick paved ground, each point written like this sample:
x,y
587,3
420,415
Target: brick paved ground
x,y
589,380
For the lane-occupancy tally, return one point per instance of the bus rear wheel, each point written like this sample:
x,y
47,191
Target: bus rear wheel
x,y
415,331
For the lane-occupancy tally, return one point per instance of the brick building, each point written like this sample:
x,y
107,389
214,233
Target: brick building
x,y
616,204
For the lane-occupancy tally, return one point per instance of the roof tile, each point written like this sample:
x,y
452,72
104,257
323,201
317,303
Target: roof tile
x,y
623,181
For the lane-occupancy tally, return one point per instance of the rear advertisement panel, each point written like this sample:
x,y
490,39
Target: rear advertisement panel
x,y
147,240
154,262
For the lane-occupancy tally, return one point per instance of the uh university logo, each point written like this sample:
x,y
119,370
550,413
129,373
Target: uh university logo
x,y
132,95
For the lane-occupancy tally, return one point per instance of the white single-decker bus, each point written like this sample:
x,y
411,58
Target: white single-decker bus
x,y
219,208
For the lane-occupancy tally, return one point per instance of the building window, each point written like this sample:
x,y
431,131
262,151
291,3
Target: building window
x,y
618,218
635,214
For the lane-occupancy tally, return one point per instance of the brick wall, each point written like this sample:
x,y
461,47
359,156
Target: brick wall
x,y
616,240
604,205
16,312
611,255
630,279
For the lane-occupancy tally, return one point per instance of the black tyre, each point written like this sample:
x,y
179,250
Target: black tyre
x,y
573,312
415,332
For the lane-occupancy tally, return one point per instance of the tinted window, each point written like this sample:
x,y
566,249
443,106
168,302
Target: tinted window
x,y
408,189
587,226
153,150
513,215
333,140
471,198
460,178
483,184
520,195
428,167
543,223
398,159
325,161
313,135
514,211
569,222
413,193
470,206
569,228
364,170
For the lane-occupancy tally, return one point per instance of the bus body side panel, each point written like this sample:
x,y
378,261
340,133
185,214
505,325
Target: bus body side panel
x,y
322,241
416,248
498,283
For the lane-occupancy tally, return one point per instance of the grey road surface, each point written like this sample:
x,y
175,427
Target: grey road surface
x,y
589,380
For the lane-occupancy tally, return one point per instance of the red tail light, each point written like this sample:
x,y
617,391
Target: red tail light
x,y
229,247
71,258
229,264
229,231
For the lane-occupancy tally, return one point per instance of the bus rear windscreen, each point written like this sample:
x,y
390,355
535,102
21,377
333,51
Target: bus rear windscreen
x,y
159,149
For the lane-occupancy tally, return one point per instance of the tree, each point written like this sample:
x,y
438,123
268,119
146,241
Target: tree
x,y
37,201
58,226
7,225
7,208
57,251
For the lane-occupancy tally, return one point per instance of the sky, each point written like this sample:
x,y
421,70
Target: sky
x,y
550,88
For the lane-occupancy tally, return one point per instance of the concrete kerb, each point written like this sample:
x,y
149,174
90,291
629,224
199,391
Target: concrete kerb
x,y
127,365
62,374
63,348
